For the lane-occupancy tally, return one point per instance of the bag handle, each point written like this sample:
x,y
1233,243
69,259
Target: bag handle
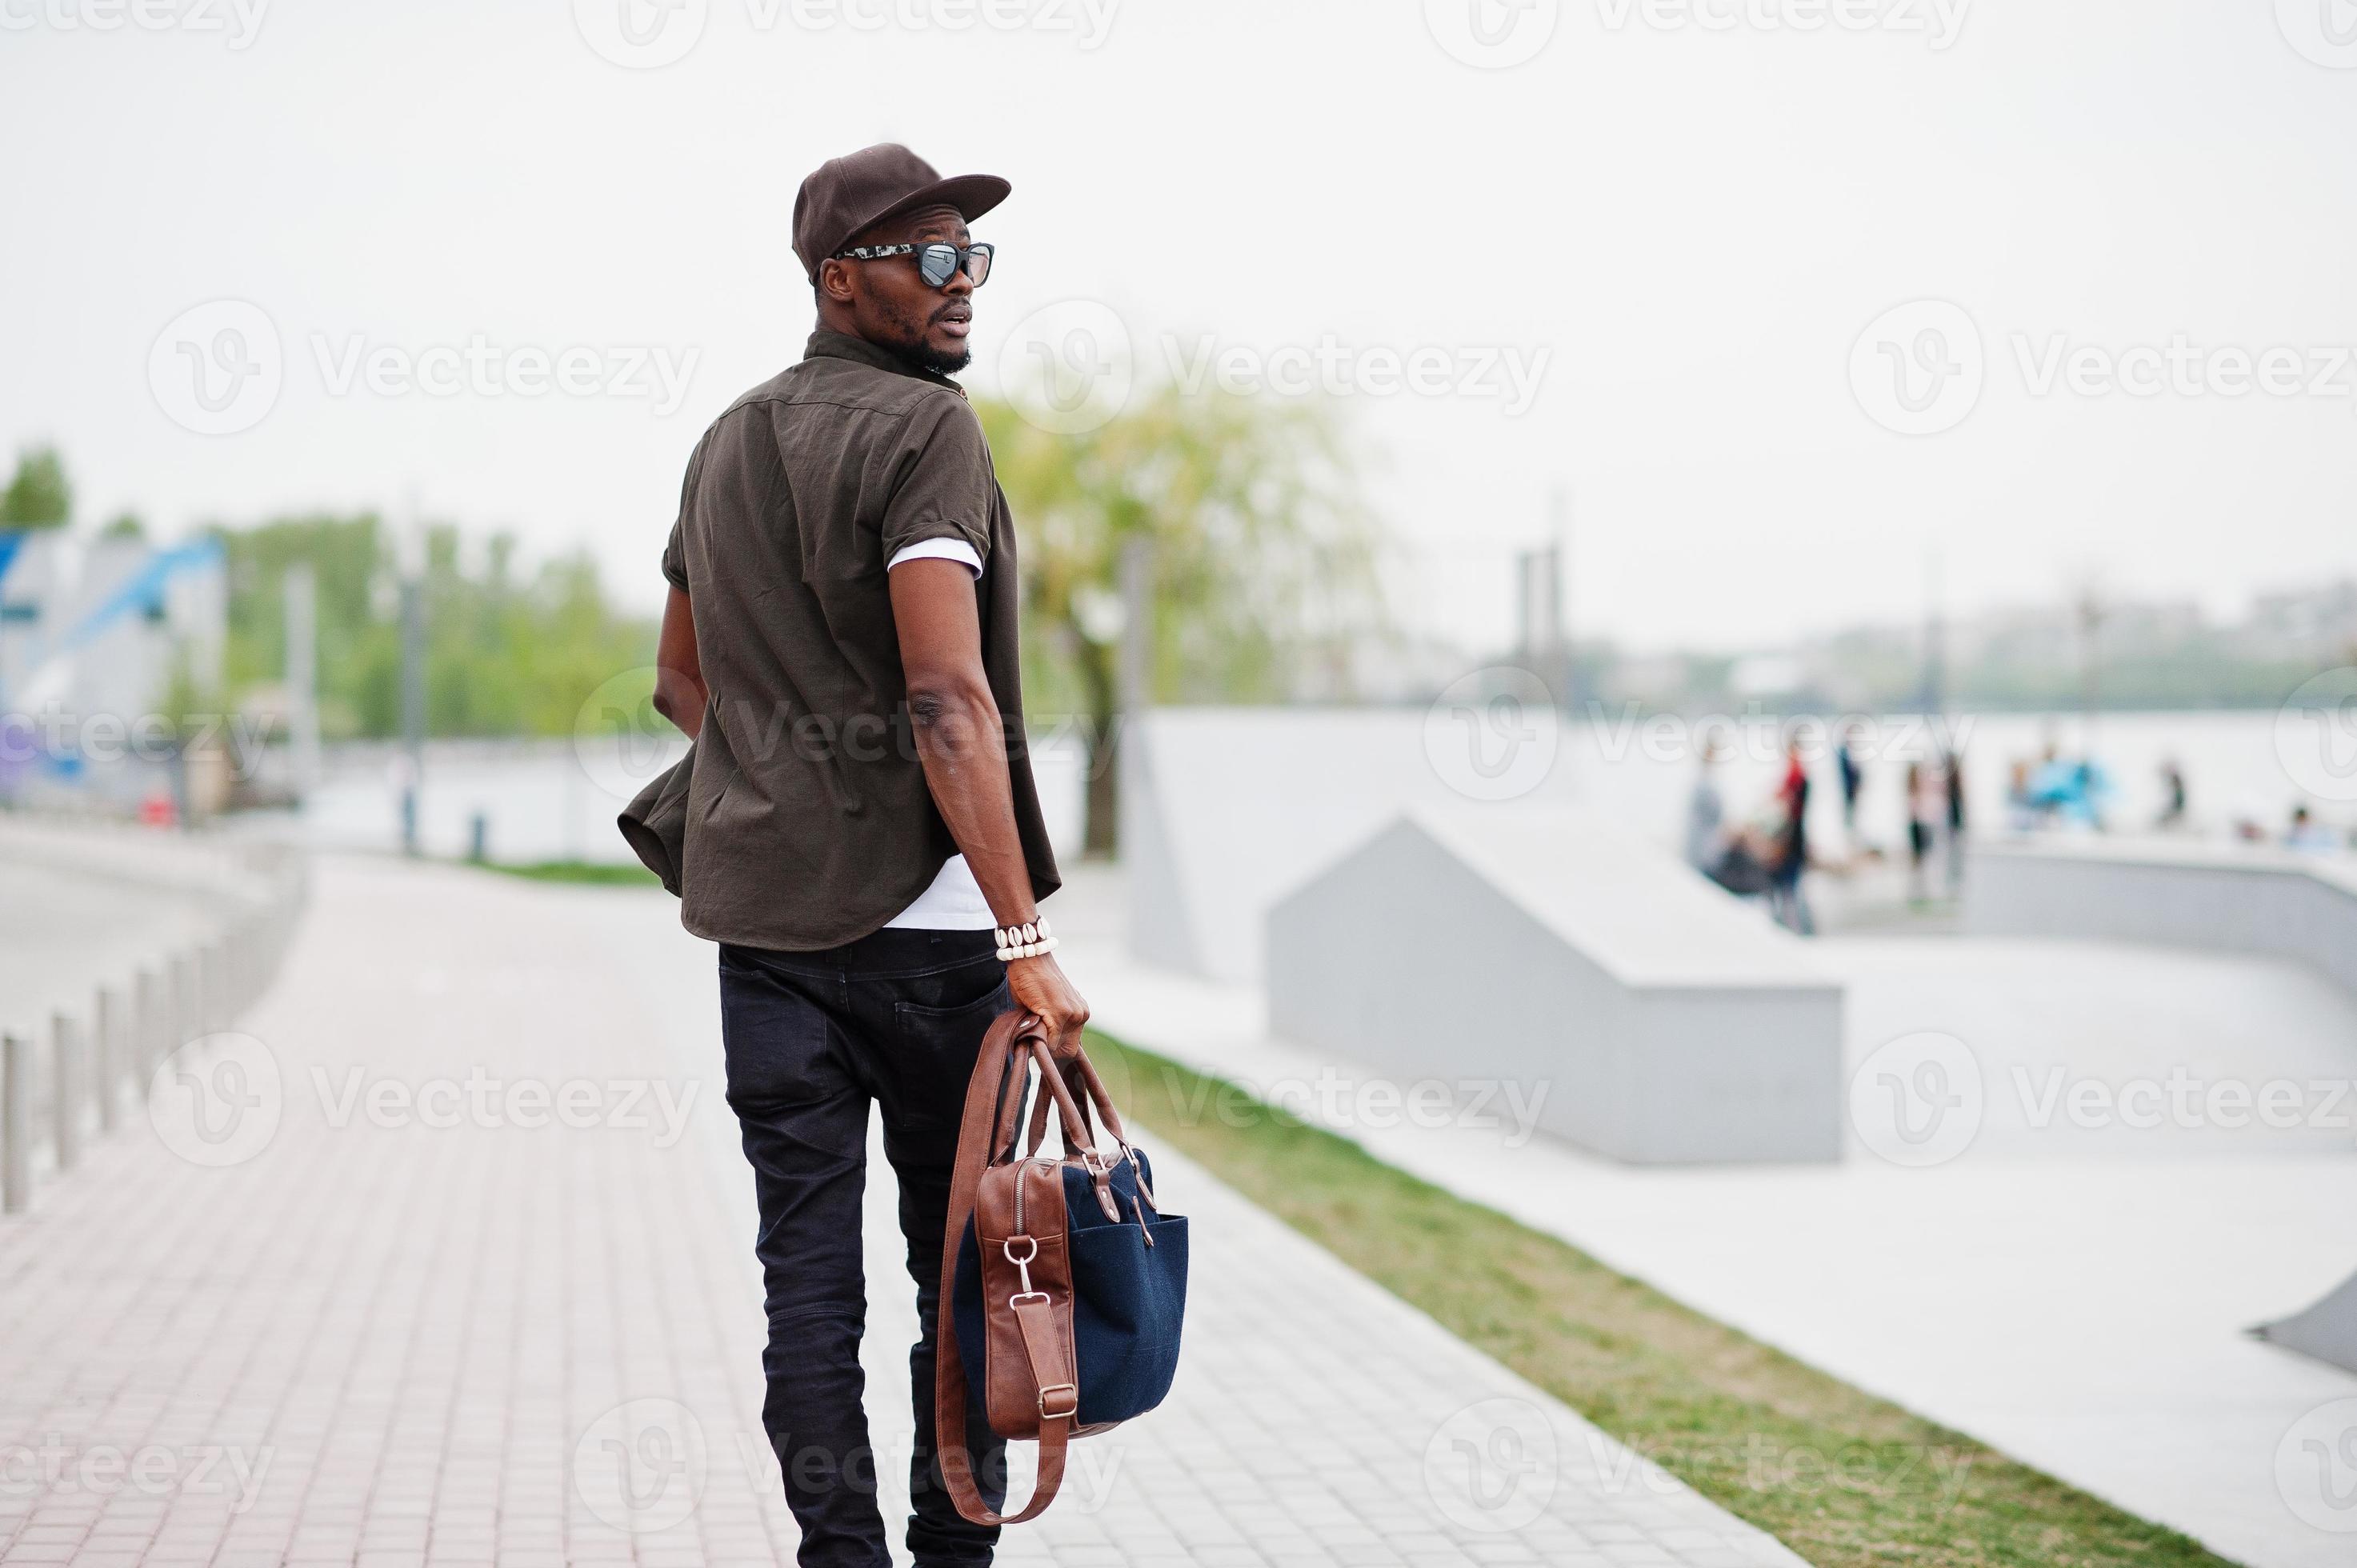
x,y
1002,1047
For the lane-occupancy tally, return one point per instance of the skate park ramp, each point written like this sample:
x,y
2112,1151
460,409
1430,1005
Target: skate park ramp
x,y
2327,1331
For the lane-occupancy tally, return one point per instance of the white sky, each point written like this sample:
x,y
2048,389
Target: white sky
x,y
1695,226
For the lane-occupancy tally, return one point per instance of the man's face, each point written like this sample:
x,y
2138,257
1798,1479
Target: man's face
x,y
890,304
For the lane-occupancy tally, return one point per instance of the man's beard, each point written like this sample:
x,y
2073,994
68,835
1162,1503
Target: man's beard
x,y
908,346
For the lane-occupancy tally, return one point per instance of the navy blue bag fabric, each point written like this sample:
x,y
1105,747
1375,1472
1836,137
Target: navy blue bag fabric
x,y
1128,1299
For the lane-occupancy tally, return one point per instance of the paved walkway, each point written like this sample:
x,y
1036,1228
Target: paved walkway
x,y
451,1264
62,936
2072,1295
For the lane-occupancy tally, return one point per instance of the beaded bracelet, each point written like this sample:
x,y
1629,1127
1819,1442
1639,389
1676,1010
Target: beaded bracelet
x,y
1028,941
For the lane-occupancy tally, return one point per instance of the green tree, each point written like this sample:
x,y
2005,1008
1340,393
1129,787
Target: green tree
x,y
39,494
506,653
1262,552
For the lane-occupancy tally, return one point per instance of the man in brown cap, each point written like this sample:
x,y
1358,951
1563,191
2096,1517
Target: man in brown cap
x,y
862,835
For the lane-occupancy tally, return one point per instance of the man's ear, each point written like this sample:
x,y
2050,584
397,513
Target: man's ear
x,y
834,281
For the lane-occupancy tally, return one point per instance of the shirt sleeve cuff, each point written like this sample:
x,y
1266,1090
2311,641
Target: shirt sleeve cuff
x,y
938,550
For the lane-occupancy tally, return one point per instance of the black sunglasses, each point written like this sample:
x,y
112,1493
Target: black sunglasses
x,y
936,263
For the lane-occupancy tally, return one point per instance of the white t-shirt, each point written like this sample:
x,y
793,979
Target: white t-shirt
x,y
955,901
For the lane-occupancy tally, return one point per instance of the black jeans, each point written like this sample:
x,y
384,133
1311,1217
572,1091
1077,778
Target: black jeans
x,y
897,1018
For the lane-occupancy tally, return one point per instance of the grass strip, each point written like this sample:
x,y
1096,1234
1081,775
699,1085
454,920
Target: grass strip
x,y
593,873
1846,1479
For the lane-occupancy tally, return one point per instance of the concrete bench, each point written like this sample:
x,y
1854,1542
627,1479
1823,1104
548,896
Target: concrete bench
x,y
2221,897
1661,1021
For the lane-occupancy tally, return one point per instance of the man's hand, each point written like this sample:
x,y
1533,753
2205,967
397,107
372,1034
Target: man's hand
x,y
1040,987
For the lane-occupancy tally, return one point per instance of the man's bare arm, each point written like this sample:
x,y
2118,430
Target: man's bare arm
x,y
680,695
962,741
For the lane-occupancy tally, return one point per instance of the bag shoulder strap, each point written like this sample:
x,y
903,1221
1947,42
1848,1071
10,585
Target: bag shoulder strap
x,y
1010,1038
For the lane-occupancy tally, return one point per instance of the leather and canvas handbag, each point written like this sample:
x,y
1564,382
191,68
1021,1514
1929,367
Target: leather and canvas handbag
x,y
1065,1284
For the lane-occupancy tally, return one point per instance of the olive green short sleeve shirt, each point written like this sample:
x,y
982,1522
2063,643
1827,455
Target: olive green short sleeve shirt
x,y
809,820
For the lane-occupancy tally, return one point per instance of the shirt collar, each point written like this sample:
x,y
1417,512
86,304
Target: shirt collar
x,y
843,346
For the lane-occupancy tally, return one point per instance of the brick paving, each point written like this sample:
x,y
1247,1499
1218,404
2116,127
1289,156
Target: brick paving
x,y
484,1296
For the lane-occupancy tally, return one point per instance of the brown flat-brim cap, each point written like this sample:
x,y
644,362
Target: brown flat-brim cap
x,y
846,195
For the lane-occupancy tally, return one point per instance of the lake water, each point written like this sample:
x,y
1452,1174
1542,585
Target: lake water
x,y
551,800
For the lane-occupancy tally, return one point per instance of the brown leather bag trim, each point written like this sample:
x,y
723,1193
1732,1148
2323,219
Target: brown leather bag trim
x,y
1028,1347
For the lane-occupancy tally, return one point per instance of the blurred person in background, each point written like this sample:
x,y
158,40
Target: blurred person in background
x,y
1706,837
1789,863
1852,778
2309,836
1952,783
2020,811
2172,798
1725,856
1925,805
